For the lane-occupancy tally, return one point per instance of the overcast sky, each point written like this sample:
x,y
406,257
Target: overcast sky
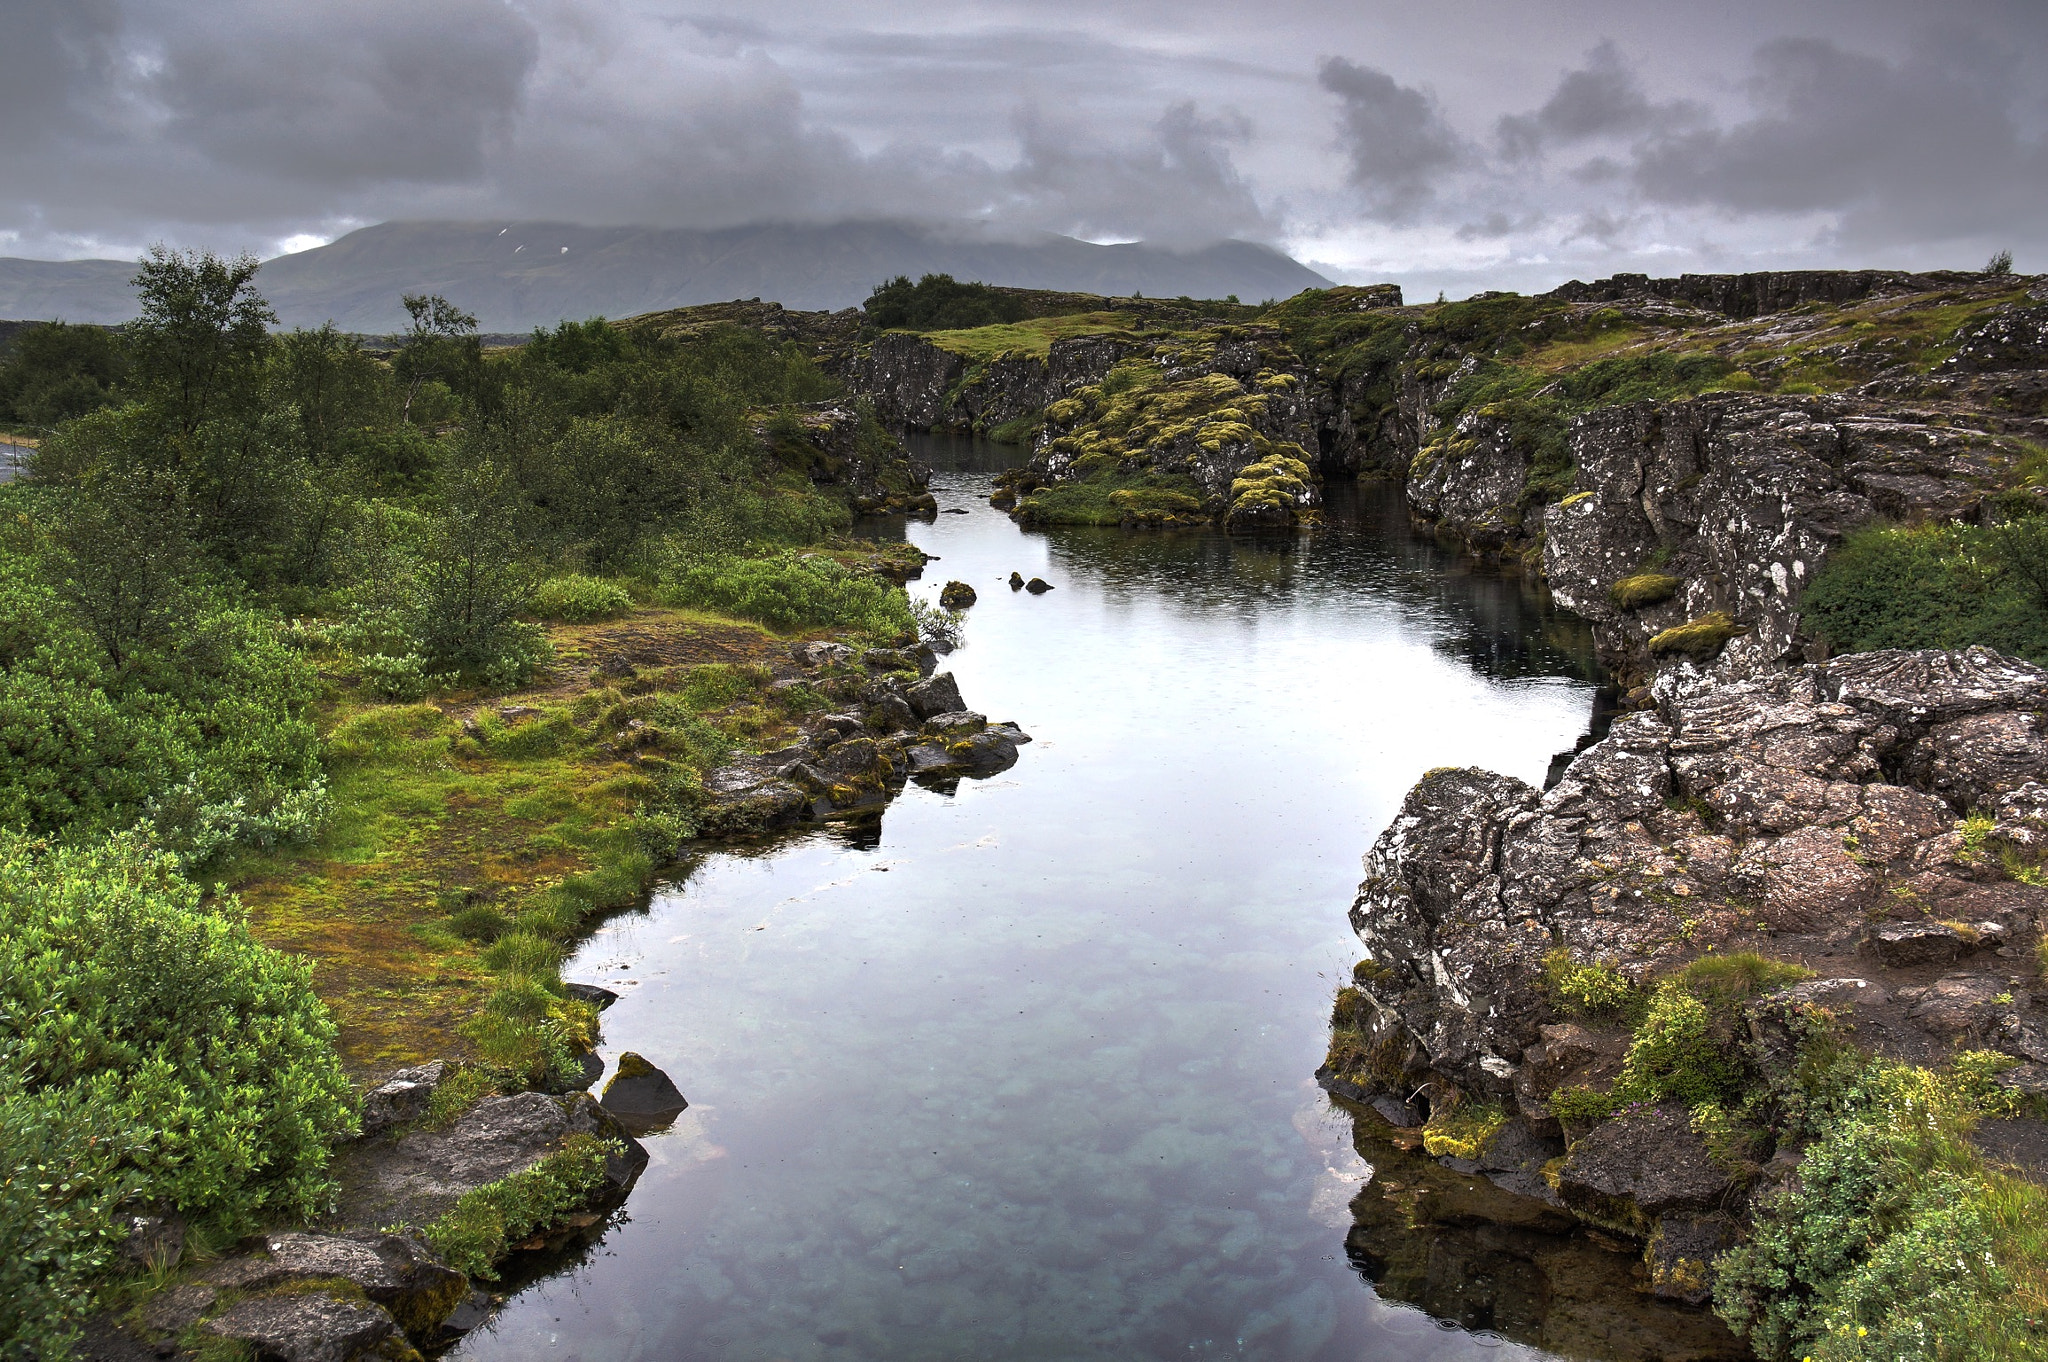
x,y
1455,144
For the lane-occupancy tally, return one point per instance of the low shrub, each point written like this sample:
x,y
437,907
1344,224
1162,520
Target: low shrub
x,y
576,599
1586,990
154,1052
792,591
1938,586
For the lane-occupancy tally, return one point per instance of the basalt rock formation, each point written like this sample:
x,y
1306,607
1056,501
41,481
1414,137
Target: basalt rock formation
x,y
1868,824
901,722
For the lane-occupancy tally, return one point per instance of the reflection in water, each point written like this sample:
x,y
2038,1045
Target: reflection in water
x,y
1023,1071
1472,1255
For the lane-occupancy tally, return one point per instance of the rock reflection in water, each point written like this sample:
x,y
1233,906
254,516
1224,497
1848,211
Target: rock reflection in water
x,y
1490,1261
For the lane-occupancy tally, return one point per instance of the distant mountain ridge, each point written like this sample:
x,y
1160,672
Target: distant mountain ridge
x,y
520,275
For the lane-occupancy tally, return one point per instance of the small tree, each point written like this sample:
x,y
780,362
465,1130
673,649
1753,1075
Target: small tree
x,y
201,335
1999,265
123,559
440,344
474,582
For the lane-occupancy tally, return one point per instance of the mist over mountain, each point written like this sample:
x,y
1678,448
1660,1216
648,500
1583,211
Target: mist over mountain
x,y
518,276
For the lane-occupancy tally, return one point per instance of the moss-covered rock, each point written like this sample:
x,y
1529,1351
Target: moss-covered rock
x,y
1700,639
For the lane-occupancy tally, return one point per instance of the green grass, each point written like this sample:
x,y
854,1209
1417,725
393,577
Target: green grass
x,y
481,1229
1031,339
1116,499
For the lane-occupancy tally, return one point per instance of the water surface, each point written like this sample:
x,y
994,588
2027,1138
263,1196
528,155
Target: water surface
x,y
1025,1071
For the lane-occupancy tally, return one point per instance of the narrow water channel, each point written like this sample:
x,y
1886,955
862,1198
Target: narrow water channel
x,y
1025,1072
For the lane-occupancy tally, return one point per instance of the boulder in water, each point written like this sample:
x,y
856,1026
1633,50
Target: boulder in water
x,y
642,1096
1038,586
956,596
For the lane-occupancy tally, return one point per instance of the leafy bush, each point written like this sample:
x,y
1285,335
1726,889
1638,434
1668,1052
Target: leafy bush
x,y
1586,989
578,599
1895,1241
202,736
1674,1054
154,1052
1939,586
793,591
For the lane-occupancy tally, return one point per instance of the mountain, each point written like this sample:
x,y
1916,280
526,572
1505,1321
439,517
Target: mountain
x,y
520,275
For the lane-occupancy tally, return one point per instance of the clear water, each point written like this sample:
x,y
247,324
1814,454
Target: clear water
x,y
1025,1072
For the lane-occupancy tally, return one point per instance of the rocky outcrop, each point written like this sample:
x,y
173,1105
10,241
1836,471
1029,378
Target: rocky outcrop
x,y
641,1096
1740,498
900,722
1848,818
1786,806
918,384
416,1177
842,448
1752,295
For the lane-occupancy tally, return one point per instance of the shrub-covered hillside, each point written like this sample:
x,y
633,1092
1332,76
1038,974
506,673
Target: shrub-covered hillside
x,y
339,687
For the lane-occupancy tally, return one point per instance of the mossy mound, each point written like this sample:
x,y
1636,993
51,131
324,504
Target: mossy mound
x,y
1644,589
1699,639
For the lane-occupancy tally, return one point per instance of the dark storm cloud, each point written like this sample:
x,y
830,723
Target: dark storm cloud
x,y
1394,136
384,90
1586,135
1930,146
1603,98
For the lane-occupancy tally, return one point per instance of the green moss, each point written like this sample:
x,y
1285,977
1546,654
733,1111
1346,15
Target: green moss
x,y
1643,589
1675,1054
1700,639
1463,1130
480,1229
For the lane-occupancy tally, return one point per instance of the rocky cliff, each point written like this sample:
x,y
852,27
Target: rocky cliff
x,y
1638,978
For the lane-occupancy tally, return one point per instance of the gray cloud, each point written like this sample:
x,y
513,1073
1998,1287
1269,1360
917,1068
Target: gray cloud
x,y
1394,136
380,90
1486,136
1929,147
1603,98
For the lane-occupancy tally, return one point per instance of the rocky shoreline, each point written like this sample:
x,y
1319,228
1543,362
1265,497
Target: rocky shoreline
x,y
452,1182
1858,835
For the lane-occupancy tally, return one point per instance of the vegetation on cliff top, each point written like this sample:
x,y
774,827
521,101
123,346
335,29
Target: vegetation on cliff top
x,y
415,664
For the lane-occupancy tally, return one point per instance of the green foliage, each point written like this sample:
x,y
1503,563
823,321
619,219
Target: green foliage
x,y
578,599
60,1180
53,372
1936,586
202,736
1586,990
1895,1241
1999,265
199,337
791,591
152,1051
938,302
1675,1054
481,1228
